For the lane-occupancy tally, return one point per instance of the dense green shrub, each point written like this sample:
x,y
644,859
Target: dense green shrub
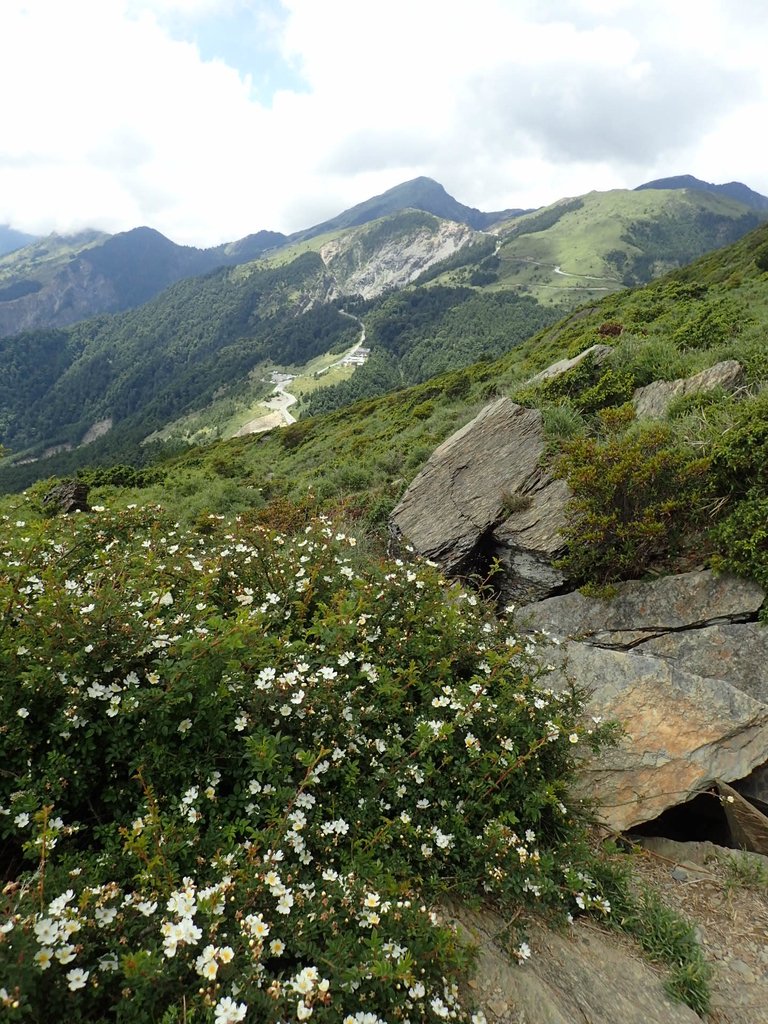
x,y
239,771
637,495
740,454
711,324
742,539
588,387
761,257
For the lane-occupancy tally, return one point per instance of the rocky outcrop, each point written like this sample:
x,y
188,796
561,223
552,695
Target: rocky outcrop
x,y
68,496
639,610
584,975
682,731
653,400
484,494
362,267
598,353
664,659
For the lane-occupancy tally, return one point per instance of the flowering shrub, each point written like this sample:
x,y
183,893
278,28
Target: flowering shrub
x,y
239,771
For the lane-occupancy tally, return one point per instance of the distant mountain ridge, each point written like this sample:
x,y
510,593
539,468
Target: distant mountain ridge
x,y
418,194
11,239
59,281
733,189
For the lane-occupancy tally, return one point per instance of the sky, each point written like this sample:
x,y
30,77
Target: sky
x,y
212,119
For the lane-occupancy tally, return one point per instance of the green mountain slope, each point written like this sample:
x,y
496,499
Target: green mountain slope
x,y
592,245
363,456
210,339
58,281
139,369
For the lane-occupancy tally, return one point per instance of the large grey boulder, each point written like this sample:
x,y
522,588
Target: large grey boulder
x,y
653,400
682,731
487,474
66,497
678,663
584,975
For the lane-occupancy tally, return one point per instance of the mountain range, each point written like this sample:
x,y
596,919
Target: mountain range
x,y
192,335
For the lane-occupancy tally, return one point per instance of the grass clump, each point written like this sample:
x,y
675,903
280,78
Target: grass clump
x,y
664,935
239,771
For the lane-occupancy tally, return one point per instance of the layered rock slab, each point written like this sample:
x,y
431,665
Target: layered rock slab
x,y
683,731
677,664
484,493
653,400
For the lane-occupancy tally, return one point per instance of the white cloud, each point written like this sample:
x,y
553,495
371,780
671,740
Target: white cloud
x,y
115,121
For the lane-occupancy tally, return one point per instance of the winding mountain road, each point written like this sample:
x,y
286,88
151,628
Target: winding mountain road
x,y
280,401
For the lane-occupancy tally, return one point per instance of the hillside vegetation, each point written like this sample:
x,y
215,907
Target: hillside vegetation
x,y
604,241
245,757
361,457
194,361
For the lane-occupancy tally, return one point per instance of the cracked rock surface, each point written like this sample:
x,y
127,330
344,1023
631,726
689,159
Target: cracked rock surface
x,y
680,665
482,494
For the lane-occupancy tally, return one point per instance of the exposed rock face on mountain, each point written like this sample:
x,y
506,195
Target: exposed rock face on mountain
x,y
484,494
681,661
653,401
393,253
666,659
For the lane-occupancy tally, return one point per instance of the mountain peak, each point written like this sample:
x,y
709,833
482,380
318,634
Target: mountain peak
x,y
732,190
420,193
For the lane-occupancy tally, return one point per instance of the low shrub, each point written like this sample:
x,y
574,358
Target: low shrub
x,y
239,770
637,496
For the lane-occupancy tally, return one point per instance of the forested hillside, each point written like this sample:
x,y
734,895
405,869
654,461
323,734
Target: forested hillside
x,y
418,333
145,366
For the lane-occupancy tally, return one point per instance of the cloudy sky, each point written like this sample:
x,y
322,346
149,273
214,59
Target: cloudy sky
x,y
211,119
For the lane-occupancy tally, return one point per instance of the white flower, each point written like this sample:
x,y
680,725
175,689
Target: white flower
x,y
276,947
257,926
229,1012
65,955
240,723
43,959
573,738
303,1012
77,978
285,903
166,599
23,713
523,952
21,820
185,726
56,906
47,931
105,916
